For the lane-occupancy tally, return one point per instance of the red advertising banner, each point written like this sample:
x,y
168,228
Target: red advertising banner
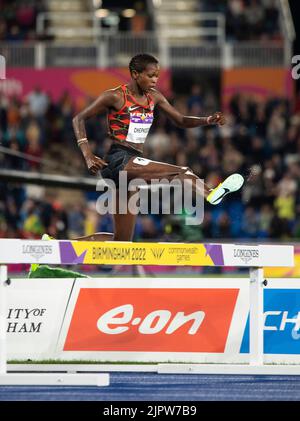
x,y
156,319
261,83
81,83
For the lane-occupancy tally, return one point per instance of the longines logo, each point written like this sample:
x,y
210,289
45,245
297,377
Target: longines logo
x,y
245,254
37,251
157,253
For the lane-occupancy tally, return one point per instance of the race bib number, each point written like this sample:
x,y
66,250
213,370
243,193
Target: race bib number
x,y
139,127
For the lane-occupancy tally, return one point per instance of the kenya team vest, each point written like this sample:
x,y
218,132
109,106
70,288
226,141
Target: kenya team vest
x,y
131,124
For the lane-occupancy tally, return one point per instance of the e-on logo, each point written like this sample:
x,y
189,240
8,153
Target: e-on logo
x,y
116,320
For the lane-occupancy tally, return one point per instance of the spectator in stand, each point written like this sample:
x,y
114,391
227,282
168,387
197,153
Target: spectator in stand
x,y
32,225
38,102
18,21
67,110
33,147
254,17
250,223
247,20
285,202
195,99
264,221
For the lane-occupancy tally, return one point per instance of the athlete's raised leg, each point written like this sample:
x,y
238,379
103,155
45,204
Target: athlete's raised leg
x,y
148,170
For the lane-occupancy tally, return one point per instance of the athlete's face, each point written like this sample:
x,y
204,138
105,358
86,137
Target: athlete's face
x,y
148,78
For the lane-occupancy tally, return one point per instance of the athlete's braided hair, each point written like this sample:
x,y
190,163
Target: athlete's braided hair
x,y
140,62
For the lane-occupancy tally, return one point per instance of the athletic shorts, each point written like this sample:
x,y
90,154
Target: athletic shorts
x,y
121,158
117,158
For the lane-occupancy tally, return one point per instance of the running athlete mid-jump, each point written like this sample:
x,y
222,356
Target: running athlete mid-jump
x,y
130,114
130,109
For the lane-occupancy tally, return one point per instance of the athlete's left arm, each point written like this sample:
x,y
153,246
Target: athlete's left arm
x,y
182,120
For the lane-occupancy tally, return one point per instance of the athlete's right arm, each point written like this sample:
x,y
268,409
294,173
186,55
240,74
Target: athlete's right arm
x,y
110,99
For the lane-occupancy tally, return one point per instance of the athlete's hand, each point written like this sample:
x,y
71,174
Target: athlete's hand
x,y
217,118
94,163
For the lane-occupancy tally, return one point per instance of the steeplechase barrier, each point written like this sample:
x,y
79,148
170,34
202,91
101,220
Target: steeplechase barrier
x,y
61,252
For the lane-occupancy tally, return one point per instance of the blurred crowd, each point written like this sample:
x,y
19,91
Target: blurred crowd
x,y
18,19
245,19
261,140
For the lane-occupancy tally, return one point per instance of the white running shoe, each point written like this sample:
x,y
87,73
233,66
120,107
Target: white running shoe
x,y
34,266
232,183
46,237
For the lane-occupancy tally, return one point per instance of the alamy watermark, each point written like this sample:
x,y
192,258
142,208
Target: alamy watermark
x,y
296,69
2,67
166,197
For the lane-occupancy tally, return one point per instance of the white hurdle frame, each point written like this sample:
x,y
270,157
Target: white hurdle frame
x,y
256,323
283,256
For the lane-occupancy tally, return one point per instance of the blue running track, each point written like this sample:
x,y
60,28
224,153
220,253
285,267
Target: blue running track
x,y
166,387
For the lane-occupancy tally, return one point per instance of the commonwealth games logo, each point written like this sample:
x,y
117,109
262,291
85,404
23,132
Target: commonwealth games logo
x,y
157,253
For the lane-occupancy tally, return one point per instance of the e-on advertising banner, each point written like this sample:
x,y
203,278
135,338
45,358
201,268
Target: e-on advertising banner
x,y
154,319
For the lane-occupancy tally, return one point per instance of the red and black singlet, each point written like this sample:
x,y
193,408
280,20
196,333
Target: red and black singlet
x,y
131,124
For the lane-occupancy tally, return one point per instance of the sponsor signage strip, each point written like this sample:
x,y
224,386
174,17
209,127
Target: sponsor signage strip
x,y
200,320
171,320
34,316
128,253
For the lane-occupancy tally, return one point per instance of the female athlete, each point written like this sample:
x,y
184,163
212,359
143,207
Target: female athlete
x,y
129,110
